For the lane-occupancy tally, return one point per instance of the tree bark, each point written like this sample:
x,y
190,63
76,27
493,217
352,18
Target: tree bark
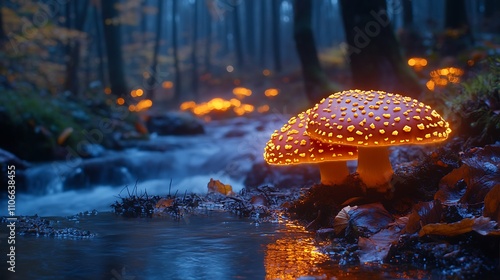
x,y
194,51
74,19
407,14
99,46
317,84
458,36
3,36
276,34
237,36
114,48
208,44
263,33
376,59
250,27
153,80
177,70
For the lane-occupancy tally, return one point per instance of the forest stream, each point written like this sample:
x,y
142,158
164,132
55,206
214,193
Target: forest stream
x,y
209,245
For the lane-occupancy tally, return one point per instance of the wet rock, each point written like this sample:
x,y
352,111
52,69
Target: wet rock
x,y
7,160
262,173
36,226
463,258
98,171
320,204
174,123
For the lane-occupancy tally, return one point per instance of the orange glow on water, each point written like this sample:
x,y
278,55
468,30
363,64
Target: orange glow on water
x,y
120,101
107,90
266,72
292,257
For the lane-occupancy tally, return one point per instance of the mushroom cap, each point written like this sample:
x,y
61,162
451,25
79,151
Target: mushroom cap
x,y
375,118
291,145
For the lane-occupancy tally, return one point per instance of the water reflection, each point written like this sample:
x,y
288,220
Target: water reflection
x,y
294,255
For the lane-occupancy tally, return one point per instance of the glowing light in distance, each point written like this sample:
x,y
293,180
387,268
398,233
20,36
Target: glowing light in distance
x,y
271,92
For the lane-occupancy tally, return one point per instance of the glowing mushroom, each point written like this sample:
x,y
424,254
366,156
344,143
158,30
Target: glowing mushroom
x,y
291,145
373,121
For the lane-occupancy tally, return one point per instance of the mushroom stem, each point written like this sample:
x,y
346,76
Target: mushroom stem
x,y
333,172
374,167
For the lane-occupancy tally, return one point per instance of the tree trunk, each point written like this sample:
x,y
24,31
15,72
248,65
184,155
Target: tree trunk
x,y
276,34
99,46
409,37
143,23
114,52
208,44
194,51
74,20
407,14
238,46
177,80
3,36
250,27
263,33
153,78
375,57
317,84
460,38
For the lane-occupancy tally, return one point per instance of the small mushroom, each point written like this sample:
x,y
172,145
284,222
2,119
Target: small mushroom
x,y
373,121
291,145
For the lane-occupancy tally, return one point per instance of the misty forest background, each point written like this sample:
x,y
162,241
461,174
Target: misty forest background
x,y
67,65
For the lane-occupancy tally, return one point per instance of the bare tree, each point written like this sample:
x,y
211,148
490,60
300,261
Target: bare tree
x,y
376,59
177,70
3,35
276,34
114,47
152,81
194,50
76,15
317,84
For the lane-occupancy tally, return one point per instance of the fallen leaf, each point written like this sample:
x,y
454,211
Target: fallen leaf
x,y
164,203
342,219
218,187
492,204
376,248
423,213
481,225
369,218
64,135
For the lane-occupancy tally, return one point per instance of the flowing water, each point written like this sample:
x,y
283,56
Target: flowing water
x,y
211,245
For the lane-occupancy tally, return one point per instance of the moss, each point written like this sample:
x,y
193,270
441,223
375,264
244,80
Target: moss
x,y
32,124
475,105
